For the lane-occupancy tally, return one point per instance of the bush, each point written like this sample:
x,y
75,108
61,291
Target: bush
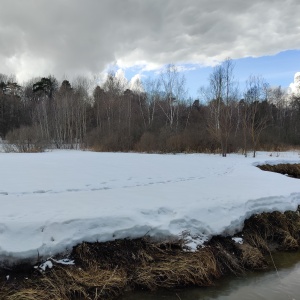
x,y
147,143
24,139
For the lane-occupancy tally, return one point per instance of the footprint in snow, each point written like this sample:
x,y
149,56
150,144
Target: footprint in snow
x,y
40,192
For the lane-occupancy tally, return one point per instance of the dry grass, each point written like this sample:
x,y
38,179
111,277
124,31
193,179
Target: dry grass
x,y
30,294
276,228
124,253
93,283
227,255
106,270
185,269
292,170
256,241
63,283
251,257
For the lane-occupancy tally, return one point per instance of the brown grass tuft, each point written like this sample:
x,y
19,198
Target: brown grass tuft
x,y
251,257
185,269
292,170
227,255
30,294
256,240
281,230
124,253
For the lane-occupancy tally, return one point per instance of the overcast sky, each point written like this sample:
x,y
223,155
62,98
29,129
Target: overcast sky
x,y
68,37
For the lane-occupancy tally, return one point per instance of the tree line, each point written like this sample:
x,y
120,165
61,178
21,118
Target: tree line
x,y
153,116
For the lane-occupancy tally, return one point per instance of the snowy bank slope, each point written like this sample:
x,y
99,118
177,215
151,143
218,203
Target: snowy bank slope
x,y
52,201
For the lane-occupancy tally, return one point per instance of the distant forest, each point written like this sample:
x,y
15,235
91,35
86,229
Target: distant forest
x,y
153,116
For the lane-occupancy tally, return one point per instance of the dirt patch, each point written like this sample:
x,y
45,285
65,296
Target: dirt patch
x,y
292,170
106,270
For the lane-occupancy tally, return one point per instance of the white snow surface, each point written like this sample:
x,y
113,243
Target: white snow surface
x,y
52,201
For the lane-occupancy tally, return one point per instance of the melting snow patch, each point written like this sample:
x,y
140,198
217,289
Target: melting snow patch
x,y
47,264
192,243
64,261
238,240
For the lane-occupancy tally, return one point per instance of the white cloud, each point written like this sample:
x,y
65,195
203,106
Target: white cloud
x,y
120,75
294,88
135,83
182,68
25,66
80,37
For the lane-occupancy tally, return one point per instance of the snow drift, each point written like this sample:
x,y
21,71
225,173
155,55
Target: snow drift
x,y
51,201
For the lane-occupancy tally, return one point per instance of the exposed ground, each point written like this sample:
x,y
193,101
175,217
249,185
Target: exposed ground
x,y
106,270
292,170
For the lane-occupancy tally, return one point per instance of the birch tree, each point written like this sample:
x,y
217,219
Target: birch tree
x,y
173,86
222,94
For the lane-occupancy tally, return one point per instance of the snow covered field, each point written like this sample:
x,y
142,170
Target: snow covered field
x,y
51,201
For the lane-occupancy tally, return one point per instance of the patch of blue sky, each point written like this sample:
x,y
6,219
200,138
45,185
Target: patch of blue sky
x,y
277,70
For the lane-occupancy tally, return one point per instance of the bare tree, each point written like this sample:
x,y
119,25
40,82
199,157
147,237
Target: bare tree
x,y
99,98
114,88
138,89
279,98
256,114
152,93
222,95
62,130
174,91
82,101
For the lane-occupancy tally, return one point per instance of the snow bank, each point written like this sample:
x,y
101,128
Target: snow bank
x,y
54,200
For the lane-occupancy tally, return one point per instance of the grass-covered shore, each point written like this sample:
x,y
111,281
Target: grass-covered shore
x,y
106,270
292,170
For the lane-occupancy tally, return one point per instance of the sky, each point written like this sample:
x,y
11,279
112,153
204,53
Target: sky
x,y
67,38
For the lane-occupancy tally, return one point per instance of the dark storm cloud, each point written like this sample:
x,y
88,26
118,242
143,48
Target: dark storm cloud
x,y
38,37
